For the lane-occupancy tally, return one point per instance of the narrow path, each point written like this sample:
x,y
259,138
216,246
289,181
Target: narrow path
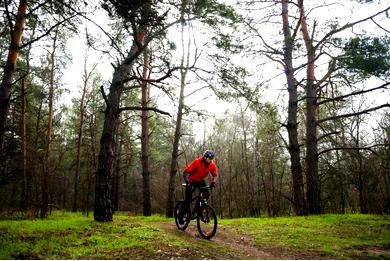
x,y
227,244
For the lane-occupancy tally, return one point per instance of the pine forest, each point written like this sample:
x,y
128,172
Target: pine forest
x,y
104,103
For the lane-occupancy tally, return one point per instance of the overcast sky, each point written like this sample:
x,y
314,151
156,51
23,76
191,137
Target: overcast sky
x,y
347,11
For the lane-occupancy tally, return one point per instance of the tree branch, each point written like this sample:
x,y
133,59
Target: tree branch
x,y
97,25
383,86
104,94
381,27
328,73
167,75
262,39
32,10
354,148
327,135
348,25
353,114
9,20
135,108
47,33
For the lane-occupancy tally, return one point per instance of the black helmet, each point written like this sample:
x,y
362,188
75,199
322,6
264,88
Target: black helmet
x,y
209,154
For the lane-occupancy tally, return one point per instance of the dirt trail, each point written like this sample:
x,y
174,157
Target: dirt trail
x,y
244,245
239,246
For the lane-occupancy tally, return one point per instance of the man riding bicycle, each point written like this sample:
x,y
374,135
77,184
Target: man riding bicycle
x,y
195,173
194,176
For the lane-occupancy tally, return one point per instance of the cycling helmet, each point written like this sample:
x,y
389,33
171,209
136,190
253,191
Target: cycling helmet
x,y
209,154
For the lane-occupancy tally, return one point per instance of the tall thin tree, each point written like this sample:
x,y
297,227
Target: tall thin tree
x,y
80,132
147,208
292,121
10,66
185,59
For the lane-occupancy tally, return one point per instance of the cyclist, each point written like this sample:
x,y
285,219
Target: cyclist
x,y
196,172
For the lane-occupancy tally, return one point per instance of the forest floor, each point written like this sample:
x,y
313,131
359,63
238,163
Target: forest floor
x,y
230,245
73,236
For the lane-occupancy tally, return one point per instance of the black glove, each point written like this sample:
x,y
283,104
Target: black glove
x,y
186,177
212,185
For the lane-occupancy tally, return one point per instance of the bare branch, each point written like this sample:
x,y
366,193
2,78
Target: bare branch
x,y
355,148
37,7
348,25
104,94
197,90
383,86
381,27
353,114
9,20
47,32
97,25
135,108
327,135
262,39
328,73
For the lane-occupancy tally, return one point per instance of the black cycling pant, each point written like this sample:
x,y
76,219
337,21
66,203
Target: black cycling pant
x,y
190,189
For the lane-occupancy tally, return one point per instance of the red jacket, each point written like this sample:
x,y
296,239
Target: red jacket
x,y
198,170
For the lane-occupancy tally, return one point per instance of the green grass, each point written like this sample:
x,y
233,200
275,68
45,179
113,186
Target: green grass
x,y
73,236
340,236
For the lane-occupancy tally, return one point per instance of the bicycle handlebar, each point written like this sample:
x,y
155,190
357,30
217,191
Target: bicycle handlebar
x,y
188,185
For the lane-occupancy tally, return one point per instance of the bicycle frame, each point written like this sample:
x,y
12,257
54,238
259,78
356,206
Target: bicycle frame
x,y
199,200
197,208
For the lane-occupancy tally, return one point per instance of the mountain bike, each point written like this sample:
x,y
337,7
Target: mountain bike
x,y
199,209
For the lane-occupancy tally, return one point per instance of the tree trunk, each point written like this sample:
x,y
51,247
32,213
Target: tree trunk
x,y
92,158
103,207
312,177
37,171
360,179
175,150
249,190
24,203
147,207
117,170
292,124
360,187
10,67
79,142
49,131
27,175
80,134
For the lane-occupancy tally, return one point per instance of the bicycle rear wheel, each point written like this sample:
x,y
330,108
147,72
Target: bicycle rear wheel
x,y
206,222
182,215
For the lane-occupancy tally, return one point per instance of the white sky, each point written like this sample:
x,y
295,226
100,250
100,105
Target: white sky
x,y
342,9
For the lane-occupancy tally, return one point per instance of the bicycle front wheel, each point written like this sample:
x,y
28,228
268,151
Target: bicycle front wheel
x,y
206,222
182,215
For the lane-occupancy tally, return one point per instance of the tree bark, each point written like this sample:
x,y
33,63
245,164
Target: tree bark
x,y
26,192
312,177
24,203
92,158
80,136
45,200
117,171
292,123
360,179
175,150
103,206
249,188
147,206
10,67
